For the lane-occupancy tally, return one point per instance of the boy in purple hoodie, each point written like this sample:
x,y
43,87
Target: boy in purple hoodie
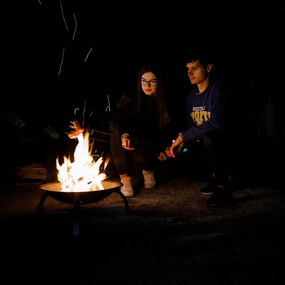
x,y
208,113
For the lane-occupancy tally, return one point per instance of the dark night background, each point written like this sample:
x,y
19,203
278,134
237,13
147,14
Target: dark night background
x,y
170,237
104,45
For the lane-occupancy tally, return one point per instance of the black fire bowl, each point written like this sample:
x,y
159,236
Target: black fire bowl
x,y
54,190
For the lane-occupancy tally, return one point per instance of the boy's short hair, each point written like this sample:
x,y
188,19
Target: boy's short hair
x,y
204,56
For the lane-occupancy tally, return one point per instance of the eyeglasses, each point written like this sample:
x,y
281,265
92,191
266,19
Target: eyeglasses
x,y
151,82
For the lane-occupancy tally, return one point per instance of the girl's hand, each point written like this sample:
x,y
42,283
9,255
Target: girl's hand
x,y
126,142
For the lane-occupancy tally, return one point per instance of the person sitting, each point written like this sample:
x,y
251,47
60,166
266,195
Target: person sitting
x,y
208,120
139,127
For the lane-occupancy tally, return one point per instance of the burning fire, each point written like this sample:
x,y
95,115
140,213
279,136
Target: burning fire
x,y
83,174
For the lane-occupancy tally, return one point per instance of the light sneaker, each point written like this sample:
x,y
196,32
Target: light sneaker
x,y
127,188
149,179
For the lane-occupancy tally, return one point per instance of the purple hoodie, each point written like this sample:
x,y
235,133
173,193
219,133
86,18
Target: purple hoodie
x,y
207,111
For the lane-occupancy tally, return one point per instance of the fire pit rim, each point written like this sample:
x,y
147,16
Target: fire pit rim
x,y
56,186
54,190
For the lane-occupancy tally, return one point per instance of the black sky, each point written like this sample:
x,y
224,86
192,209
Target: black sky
x,y
104,44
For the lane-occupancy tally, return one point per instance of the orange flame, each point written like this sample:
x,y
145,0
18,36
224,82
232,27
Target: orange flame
x,y
83,174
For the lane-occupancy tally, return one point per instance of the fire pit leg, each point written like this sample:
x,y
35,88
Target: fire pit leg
x,y
125,201
41,203
76,218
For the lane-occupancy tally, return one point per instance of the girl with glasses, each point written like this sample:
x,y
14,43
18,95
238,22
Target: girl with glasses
x,y
140,127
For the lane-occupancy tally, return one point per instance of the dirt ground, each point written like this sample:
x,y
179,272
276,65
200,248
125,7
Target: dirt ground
x,y
168,236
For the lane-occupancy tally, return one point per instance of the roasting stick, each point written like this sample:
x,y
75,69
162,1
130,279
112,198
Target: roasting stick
x,y
78,129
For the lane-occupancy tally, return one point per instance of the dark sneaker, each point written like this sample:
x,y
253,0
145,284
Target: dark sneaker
x,y
209,189
221,197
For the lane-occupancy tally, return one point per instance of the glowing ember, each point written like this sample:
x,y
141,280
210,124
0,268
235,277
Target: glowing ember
x,y
83,174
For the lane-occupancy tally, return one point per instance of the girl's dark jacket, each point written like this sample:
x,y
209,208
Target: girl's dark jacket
x,y
142,126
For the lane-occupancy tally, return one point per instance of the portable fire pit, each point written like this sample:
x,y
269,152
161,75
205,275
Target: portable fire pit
x,y
78,198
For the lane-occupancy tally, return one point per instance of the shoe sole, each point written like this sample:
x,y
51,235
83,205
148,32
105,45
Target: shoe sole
x,y
207,190
206,193
149,187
